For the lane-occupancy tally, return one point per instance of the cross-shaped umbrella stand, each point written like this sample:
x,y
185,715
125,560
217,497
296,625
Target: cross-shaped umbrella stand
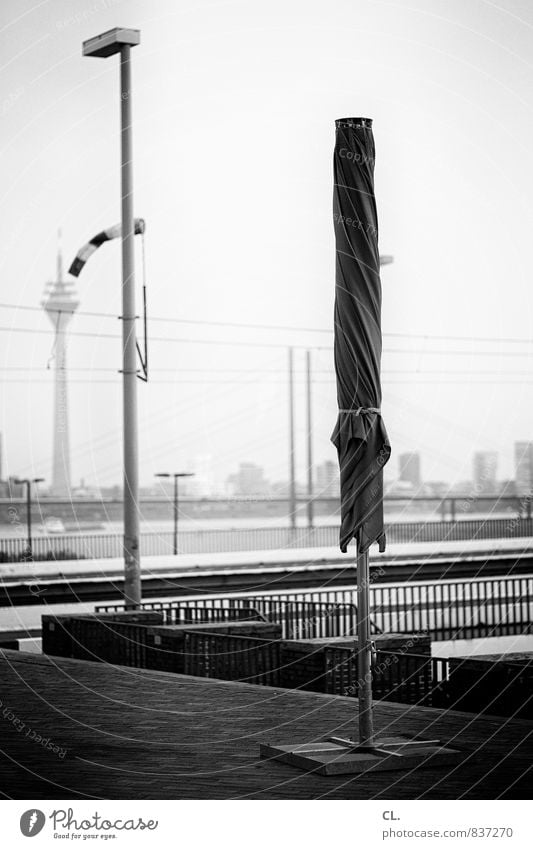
x,y
363,448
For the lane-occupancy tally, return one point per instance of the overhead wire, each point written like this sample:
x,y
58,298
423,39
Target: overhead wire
x,y
284,327
278,345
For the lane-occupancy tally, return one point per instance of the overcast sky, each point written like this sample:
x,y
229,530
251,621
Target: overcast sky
x,y
234,107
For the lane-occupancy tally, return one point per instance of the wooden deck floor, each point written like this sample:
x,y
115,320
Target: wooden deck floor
x,y
131,733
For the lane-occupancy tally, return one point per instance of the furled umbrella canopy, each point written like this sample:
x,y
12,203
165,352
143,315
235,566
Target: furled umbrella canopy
x,y
359,436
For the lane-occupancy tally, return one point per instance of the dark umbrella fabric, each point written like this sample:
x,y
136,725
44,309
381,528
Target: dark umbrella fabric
x,y
359,436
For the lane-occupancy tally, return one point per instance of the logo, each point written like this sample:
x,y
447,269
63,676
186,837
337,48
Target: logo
x,y
31,822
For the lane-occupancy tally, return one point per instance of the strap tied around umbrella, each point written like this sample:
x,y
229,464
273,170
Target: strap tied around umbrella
x,y
360,410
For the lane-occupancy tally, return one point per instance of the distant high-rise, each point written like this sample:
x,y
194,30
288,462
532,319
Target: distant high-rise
x,y
249,480
523,455
60,304
327,479
409,464
485,464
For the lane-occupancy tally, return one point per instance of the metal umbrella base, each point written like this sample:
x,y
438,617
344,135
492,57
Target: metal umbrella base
x,y
336,756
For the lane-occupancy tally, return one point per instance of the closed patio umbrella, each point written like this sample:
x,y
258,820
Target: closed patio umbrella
x,y
363,448
359,436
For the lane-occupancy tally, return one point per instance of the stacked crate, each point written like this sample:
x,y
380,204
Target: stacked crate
x,y
110,637
166,644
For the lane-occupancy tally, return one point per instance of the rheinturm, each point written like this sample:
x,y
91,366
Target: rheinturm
x,y
60,303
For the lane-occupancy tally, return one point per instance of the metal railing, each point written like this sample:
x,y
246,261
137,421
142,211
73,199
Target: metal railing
x,y
447,609
306,619
299,619
215,541
452,606
191,613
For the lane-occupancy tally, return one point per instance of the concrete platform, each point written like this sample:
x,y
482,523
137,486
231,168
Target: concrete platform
x,y
256,559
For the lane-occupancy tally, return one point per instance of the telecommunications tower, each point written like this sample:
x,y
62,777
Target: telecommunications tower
x,y
60,303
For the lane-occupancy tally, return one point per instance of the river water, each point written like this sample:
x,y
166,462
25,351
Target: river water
x,y
229,523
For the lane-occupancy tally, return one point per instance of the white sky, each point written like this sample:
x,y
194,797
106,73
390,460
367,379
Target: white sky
x,y
234,108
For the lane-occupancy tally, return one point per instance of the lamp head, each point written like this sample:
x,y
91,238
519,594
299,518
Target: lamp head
x,y
110,42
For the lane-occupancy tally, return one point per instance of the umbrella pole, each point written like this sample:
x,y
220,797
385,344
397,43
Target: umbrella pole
x,y
364,652
337,756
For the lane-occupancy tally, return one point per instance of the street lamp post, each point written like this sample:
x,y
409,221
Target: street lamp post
x,y
120,40
176,476
292,463
309,388
28,484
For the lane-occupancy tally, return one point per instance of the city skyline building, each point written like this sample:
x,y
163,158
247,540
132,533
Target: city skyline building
x,y
249,480
60,303
410,468
327,479
523,454
485,465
